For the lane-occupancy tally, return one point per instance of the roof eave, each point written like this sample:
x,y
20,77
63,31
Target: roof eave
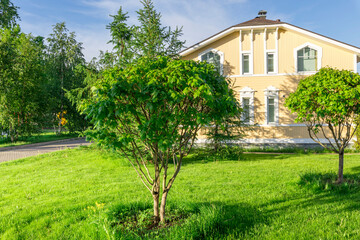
x,y
284,25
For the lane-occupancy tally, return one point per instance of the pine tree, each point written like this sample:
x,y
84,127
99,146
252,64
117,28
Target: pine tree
x,y
149,39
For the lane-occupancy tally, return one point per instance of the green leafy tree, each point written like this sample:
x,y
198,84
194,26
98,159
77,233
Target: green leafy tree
x,y
149,39
329,103
22,77
8,14
157,106
225,130
64,54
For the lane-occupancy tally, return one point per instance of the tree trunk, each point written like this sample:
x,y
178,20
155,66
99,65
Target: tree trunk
x,y
156,190
11,133
156,208
341,167
162,206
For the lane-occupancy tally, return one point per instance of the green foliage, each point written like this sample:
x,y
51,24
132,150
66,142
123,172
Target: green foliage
x,y
224,131
158,100
329,103
329,96
64,55
22,84
149,38
8,14
156,107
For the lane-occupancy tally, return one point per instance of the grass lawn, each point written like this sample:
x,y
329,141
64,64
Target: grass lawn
x,y
79,194
43,137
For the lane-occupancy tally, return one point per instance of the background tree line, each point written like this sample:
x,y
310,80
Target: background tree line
x,y
35,74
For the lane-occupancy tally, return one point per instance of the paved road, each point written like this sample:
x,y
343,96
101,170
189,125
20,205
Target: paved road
x,y
36,149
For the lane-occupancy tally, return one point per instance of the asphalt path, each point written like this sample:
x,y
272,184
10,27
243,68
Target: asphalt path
x,y
18,152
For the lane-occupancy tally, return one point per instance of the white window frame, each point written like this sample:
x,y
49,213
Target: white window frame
x,y
251,67
214,51
266,62
248,93
312,46
272,92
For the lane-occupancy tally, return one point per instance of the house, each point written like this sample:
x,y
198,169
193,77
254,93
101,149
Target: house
x,y
266,60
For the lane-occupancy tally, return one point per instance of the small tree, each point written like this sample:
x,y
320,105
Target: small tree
x,y
156,107
329,103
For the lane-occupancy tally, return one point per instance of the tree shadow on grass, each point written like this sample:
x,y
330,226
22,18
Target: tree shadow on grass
x,y
217,220
324,193
186,220
326,182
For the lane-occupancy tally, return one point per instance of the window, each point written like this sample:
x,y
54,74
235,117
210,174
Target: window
x,y
271,110
272,105
246,110
307,59
270,62
247,104
246,63
212,57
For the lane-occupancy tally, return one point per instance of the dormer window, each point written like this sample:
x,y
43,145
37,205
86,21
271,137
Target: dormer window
x,y
213,57
308,58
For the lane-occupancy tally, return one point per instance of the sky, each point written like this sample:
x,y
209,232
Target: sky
x,y
199,18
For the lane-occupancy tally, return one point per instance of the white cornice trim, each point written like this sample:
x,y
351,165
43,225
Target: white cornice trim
x,y
283,25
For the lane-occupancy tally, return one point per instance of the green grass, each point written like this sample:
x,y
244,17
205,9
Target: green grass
x,y
82,194
297,150
43,137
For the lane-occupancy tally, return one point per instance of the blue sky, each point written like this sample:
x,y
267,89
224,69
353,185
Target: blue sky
x,y
199,18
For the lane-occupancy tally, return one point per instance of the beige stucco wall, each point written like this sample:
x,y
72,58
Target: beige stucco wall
x,y
229,45
270,39
285,84
332,56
